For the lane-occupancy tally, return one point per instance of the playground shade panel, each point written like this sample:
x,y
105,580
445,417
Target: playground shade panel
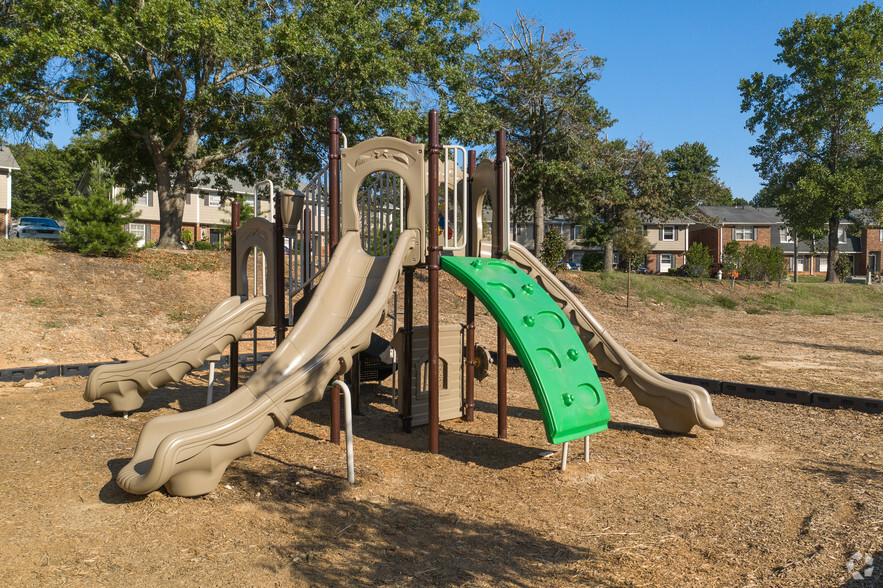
x,y
562,376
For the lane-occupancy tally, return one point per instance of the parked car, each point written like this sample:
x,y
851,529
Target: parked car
x,y
35,227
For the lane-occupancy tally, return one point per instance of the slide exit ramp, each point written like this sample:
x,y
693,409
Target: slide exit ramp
x,y
677,406
560,372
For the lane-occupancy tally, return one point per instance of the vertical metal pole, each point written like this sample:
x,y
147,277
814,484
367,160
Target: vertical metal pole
x,y
471,239
307,248
334,235
502,347
279,286
234,290
434,149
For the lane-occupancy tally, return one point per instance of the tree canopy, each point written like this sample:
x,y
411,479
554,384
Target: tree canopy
x,y
694,180
182,86
537,86
814,120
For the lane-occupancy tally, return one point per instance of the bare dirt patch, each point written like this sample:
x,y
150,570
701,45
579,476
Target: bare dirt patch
x,y
783,495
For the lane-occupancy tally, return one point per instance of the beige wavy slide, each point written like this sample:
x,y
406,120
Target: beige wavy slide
x,y
678,407
189,452
125,385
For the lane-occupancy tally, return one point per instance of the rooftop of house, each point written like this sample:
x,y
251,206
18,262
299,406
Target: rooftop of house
x,y
742,215
7,159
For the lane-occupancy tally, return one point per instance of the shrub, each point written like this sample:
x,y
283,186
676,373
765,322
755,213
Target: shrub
x,y
592,261
553,249
203,245
843,267
762,263
187,236
731,258
697,261
95,226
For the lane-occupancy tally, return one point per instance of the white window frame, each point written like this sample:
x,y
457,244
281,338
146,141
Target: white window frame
x,y
785,235
739,233
143,199
841,235
213,200
141,232
823,263
674,233
672,263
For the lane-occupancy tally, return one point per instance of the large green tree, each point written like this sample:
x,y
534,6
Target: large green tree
x,y
184,86
625,182
537,86
694,180
814,119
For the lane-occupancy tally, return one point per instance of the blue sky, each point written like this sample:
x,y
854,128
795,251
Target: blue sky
x,y
673,67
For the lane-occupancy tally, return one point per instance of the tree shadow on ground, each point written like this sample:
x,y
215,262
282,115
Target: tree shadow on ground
x,y
843,348
352,540
840,473
384,427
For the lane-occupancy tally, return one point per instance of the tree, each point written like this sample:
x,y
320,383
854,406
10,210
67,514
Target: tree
x,y
94,222
629,241
48,176
693,172
624,181
554,249
187,86
537,86
814,120
697,261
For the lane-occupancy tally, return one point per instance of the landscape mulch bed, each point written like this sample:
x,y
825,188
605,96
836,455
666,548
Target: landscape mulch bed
x,y
783,495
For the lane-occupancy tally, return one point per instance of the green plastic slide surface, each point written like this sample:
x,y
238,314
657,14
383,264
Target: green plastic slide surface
x,y
560,371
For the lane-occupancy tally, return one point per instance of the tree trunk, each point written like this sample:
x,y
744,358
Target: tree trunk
x,y
608,256
833,249
628,287
539,223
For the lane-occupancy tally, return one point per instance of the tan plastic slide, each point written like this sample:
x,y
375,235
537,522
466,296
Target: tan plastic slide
x,y
678,407
125,385
189,452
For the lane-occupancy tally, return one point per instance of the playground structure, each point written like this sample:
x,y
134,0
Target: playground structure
x,y
368,219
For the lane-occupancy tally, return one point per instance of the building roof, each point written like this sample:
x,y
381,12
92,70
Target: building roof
x,y
742,215
7,159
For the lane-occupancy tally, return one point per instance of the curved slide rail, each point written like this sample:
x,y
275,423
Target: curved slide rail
x,y
189,452
678,407
561,374
125,385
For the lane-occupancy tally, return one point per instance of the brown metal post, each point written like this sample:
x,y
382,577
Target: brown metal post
x,y
471,239
279,286
334,238
306,235
234,291
433,265
502,346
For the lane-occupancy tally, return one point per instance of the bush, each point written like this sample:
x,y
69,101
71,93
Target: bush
x,y
553,249
762,263
592,261
187,236
697,261
843,267
203,245
95,226
731,259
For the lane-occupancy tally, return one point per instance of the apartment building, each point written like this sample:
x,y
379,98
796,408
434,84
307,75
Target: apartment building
x,y
8,164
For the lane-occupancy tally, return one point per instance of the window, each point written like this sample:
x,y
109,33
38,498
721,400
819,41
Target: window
x,y
140,231
576,232
785,235
666,262
213,200
841,235
669,233
823,264
743,233
143,200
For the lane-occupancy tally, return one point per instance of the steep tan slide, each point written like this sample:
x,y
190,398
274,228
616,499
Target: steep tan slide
x,y
189,452
678,407
124,385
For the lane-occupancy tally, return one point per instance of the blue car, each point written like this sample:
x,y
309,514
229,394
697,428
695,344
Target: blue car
x,y
35,227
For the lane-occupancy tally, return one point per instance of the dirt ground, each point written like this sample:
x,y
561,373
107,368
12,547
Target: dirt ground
x,y
783,495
